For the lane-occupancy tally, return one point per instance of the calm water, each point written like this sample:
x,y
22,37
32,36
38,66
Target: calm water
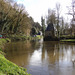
x,y
43,58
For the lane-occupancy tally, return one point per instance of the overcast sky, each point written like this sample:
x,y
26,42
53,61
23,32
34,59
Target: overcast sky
x,y
38,8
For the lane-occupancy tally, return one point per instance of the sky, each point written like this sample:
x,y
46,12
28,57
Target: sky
x,y
38,8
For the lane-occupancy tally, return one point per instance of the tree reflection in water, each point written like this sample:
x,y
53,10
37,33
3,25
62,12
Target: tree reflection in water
x,y
43,58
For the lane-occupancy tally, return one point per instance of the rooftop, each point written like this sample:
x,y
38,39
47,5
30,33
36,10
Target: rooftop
x,y
50,27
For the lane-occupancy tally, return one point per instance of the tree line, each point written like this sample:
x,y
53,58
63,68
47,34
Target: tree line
x,y
61,26
14,19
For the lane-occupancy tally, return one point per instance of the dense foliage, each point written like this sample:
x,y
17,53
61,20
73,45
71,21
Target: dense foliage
x,y
14,19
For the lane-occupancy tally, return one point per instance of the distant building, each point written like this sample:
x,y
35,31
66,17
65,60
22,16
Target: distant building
x,y
49,30
49,33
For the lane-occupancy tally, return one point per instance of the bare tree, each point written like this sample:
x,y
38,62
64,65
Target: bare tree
x,y
58,18
71,12
51,18
13,18
62,26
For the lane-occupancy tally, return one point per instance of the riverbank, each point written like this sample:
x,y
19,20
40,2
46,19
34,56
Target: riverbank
x,y
68,40
23,37
3,42
7,67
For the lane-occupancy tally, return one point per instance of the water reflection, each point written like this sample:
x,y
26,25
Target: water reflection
x,y
43,58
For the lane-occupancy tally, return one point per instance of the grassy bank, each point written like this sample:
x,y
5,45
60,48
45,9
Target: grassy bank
x,y
7,67
68,40
23,37
3,42
36,37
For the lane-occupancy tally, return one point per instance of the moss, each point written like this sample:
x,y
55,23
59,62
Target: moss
x,y
3,41
8,40
9,68
2,52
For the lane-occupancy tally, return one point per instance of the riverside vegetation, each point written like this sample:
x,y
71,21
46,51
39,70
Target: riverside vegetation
x,y
7,67
67,38
18,25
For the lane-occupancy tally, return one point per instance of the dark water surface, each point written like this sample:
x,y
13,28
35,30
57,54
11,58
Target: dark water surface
x,y
43,58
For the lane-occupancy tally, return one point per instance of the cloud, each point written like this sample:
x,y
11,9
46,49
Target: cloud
x,y
37,8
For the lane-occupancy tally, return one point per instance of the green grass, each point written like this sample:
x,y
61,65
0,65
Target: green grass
x,y
68,36
36,37
3,41
68,40
9,68
2,52
23,37
39,36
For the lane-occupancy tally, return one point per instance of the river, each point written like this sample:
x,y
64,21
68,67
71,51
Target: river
x,y
43,58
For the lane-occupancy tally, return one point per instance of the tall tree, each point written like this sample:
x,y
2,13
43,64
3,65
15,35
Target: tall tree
x,y
43,25
51,18
62,27
58,18
72,13
14,18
